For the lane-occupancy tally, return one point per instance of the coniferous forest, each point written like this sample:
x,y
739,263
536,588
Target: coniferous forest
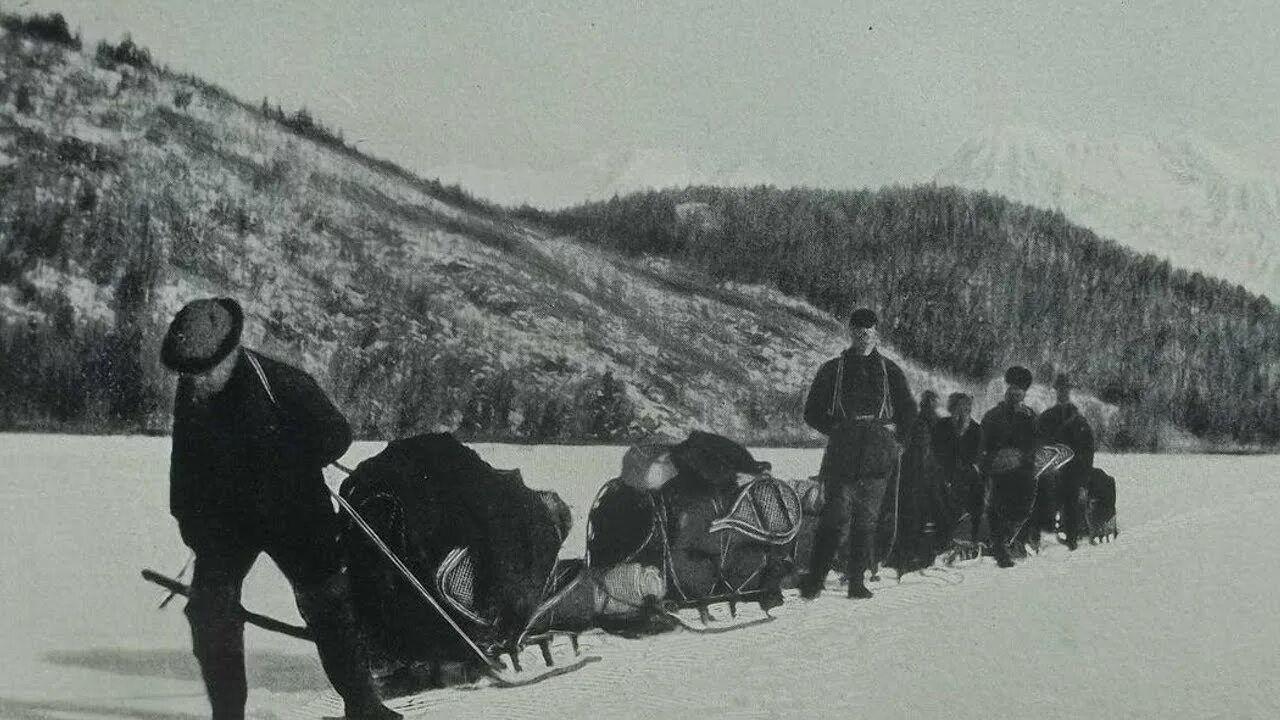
x,y
971,282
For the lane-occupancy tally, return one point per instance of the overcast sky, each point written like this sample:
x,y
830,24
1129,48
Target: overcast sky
x,y
831,94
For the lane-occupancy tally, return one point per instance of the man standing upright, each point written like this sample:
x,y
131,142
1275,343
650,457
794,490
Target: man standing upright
x,y
250,437
861,402
1064,424
957,442
1008,439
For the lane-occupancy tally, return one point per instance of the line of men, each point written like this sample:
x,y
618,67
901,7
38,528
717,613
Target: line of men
x,y
862,402
251,436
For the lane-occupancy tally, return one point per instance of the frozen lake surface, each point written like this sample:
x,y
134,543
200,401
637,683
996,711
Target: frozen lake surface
x,y
1179,618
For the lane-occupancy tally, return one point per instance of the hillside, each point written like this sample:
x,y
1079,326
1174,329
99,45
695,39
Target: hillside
x,y
127,190
1180,198
971,282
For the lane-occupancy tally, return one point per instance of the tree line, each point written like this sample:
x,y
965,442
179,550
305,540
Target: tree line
x,y
971,282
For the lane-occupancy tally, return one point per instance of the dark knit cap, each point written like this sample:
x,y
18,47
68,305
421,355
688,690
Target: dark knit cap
x,y
1018,377
202,334
1062,380
863,318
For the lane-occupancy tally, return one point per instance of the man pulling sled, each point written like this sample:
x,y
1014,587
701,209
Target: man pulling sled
x,y
250,437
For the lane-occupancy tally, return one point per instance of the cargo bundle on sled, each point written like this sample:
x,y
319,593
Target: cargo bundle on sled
x,y
1096,502
479,542
687,525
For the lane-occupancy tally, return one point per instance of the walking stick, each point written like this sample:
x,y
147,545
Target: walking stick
x,y
408,574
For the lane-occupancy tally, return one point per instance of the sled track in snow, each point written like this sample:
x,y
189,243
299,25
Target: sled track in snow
x,y
622,684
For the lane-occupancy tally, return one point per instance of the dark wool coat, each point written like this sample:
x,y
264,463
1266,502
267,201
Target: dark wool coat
x,y
246,464
862,392
1064,424
956,450
1006,427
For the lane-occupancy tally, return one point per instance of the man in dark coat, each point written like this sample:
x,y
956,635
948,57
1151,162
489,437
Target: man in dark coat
x,y
957,443
861,402
250,437
1063,424
918,527
1009,438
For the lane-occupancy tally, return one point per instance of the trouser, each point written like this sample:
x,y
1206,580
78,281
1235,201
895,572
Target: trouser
x,y
1012,503
856,468
1070,481
311,562
970,489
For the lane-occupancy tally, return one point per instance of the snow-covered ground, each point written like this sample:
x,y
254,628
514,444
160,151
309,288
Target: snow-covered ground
x,y
1177,619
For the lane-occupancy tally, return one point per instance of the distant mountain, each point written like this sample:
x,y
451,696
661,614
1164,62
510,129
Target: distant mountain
x,y
1180,198
599,178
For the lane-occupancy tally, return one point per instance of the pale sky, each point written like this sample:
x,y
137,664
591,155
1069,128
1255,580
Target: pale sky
x,y
825,94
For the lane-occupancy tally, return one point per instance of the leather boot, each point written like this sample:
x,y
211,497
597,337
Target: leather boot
x,y
343,654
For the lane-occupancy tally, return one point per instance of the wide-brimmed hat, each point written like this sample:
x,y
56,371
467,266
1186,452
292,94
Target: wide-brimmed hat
x,y
202,334
1018,377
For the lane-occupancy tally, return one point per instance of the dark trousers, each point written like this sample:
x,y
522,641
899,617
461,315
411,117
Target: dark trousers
x,y
1013,495
856,469
971,489
311,562
1070,480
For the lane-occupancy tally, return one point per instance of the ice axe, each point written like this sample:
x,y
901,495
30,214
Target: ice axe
x,y
372,534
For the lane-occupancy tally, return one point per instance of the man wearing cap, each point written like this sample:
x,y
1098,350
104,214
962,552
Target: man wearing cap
x,y
861,402
957,442
1009,439
250,437
1063,424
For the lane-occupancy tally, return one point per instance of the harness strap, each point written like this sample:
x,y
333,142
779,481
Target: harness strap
x,y
886,410
837,402
262,376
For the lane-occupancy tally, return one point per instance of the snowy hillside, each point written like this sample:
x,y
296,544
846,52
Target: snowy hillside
x,y
1181,198
126,191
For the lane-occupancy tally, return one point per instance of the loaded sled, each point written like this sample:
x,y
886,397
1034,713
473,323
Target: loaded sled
x,y
453,569
480,550
688,525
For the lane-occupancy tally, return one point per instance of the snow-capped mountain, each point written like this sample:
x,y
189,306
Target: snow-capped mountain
x,y
1177,197
597,178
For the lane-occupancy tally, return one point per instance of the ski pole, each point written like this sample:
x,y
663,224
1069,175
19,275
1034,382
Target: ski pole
x,y
404,570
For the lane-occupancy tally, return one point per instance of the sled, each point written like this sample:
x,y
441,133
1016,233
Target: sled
x,y
499,673
723,531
